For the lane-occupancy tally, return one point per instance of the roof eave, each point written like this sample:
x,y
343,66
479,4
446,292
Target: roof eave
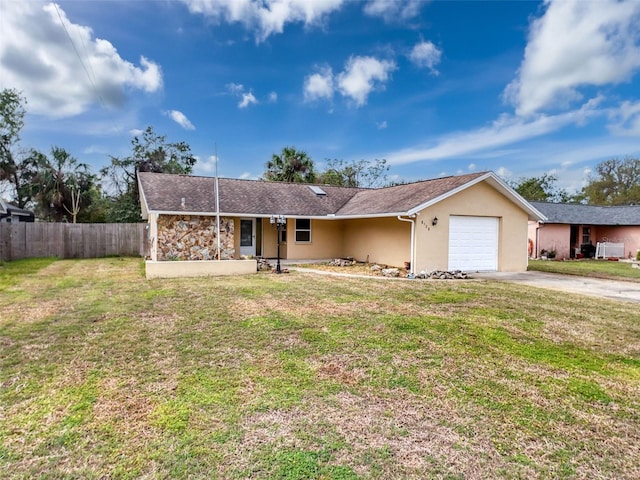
x,y
498,184
184,212
370,215
144,206
268,215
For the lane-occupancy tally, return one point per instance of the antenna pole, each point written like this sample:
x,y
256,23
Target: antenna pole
x,y
217,201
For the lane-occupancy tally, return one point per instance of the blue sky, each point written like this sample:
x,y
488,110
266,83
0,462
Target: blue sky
x,y
435,87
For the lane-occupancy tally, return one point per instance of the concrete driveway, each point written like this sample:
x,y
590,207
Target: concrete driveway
x,y
593,287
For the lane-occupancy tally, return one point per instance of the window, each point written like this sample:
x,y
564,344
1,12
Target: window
x,y
303,230
586,235
246,232
283,234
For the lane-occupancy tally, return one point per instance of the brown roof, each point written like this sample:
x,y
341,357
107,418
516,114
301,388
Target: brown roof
x,y
402,198
165,193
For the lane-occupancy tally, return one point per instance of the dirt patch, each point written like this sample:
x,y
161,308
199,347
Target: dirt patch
x,y
357,269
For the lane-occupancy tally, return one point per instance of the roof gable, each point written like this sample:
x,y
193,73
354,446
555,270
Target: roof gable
x,y
401,199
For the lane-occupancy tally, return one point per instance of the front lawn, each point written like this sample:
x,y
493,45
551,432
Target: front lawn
x,y
104,374
588,268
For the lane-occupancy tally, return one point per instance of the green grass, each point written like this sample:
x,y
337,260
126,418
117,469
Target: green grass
x,y
104,374
12,272
589,268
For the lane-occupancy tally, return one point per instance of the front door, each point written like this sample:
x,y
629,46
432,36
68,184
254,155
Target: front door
x,y
248,236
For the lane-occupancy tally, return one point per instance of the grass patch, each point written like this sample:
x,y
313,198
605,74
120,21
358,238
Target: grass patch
x,y
589,268
12,273
104,374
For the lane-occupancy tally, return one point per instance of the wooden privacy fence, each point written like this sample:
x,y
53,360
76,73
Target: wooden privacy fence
x,y
72,240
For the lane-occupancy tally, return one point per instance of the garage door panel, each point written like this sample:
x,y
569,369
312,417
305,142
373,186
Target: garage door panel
x,y
473,243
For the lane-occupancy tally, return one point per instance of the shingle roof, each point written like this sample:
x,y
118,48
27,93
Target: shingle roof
x,y
402,198
165,193
589,214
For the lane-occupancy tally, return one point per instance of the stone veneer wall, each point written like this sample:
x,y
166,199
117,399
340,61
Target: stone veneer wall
x,y
186,237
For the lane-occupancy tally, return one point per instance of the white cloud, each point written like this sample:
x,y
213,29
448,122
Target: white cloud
x,y
266,17
96,149
247,99
319,85
472,167
393,10
362,75
626,119
273,97
181,119
426,55
136,132
381,125
206,166
576,44
504,131
504,172
37,57
235,88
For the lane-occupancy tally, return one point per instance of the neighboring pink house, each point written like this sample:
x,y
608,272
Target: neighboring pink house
x,y
573,230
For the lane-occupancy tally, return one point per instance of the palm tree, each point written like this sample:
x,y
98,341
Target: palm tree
x,y
290,166
63,185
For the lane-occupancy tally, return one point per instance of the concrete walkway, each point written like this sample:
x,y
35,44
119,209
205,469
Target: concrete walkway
x,y
593,287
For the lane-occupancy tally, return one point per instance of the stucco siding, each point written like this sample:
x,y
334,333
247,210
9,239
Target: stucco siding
x,y
380,240
557,237
199,268
629,235
326,240
432,242
554,237
270,241
152,220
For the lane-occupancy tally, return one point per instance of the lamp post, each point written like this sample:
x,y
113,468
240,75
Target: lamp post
x,y
278,222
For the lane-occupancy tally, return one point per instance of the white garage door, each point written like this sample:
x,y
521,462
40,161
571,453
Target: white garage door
x,y
473,243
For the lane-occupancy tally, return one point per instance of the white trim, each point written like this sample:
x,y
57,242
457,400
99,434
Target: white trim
x,y
355,217
183,212
144,207
296,230
517,198
248,249
152,219
217,187
412,255
499,185
268,215
448,194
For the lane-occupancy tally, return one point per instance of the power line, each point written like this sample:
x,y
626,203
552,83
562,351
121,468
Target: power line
x,y
75,49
